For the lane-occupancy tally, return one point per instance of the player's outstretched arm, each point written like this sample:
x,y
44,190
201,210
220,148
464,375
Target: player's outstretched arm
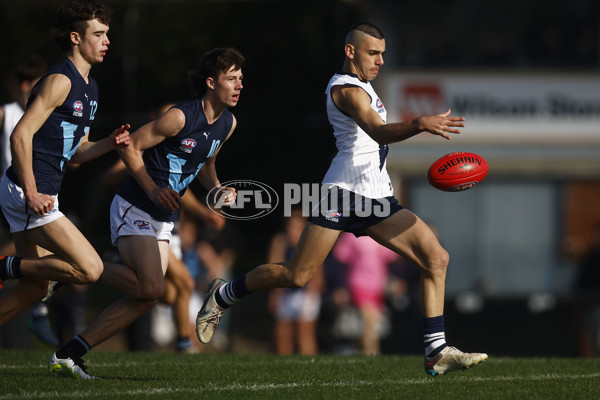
x,y
356,102
88,151
441,125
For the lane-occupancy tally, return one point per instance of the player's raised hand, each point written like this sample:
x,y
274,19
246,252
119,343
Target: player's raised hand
x,y
441,124
119,138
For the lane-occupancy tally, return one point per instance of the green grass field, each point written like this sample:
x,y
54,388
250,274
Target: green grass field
x,y
24,375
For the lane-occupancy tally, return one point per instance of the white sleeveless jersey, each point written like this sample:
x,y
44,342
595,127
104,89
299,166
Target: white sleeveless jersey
x,y
359,165
12,114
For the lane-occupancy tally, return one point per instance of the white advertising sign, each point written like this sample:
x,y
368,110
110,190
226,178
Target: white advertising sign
x,y
548,108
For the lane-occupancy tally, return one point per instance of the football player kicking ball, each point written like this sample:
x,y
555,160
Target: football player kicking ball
x,y
164,156
357,179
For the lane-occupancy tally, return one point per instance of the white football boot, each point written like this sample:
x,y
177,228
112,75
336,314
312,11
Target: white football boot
x,y
451,359
210,314
71,367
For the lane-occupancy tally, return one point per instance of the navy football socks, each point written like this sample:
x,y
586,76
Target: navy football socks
x,y
232,292
76,347
10,268
434,336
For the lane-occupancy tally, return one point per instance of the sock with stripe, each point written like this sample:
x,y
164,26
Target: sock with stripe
x,y
76,347
232,292
434,336
10,268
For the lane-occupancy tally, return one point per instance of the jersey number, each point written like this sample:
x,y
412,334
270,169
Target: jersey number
x,y
69,145
94,107
214,146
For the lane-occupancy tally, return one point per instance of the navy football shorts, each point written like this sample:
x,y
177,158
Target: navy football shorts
x,y
343,210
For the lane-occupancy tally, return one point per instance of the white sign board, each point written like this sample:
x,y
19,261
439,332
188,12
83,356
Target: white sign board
x,y
516,108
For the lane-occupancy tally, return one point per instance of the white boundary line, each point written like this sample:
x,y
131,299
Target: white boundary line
x,y
94,393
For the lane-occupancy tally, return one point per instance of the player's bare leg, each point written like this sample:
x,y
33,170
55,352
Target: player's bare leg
x,y
71,259
179,286
313,247
409,236
56,251
28,291
18,299
150,263
315,244
121,277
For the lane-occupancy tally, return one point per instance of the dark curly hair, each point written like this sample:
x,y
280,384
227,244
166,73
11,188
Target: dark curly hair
x,y
211,64
73,17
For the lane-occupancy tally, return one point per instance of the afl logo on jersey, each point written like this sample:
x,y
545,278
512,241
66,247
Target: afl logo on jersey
x,y
78,108
333,215
142,225
187,145
379,105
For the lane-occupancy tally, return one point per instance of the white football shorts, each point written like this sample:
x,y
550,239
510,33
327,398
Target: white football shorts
x,y
299,305
128,220
14,207
175,245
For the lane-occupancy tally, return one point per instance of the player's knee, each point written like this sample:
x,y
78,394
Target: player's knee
x,y
151,291
300,280
297,283
438,262
90,271
296,276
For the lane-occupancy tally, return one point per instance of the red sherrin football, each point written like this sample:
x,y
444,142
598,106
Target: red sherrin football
x,y
458,171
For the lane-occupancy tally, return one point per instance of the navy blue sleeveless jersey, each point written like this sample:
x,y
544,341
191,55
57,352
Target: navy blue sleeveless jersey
x,y
57,140
176,161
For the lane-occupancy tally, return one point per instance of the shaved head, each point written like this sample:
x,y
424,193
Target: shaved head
x,y
364,48
358,31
